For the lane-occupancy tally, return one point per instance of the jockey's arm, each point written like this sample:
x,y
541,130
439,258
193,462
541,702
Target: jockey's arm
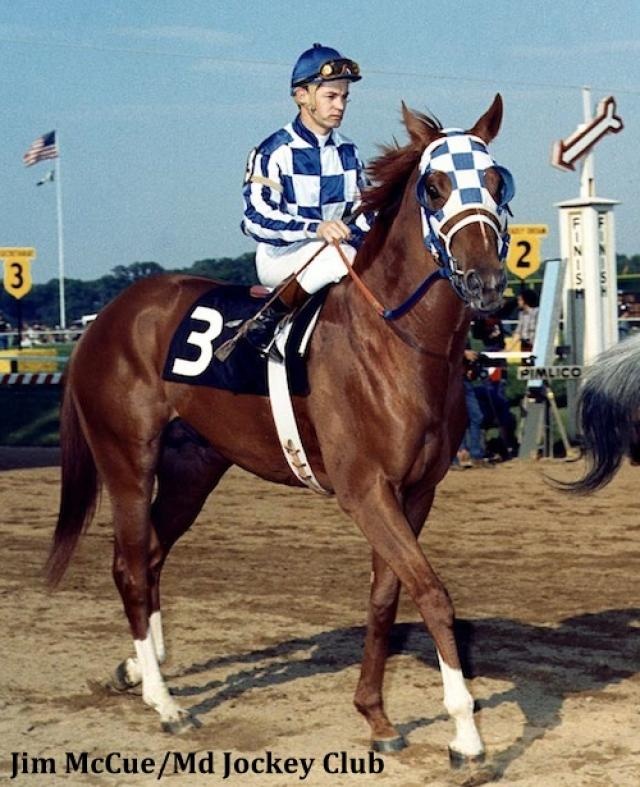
x,y
265,218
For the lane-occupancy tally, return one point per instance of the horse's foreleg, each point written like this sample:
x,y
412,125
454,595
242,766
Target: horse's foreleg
x,y
383,606
391,536
467,745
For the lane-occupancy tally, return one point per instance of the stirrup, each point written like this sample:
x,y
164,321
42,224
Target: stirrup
x,y
272,351
269,350
262,329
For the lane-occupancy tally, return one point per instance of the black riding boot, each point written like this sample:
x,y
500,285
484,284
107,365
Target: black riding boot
x,y
260,334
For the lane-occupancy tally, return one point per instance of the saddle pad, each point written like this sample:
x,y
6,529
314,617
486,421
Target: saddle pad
x,y
213,319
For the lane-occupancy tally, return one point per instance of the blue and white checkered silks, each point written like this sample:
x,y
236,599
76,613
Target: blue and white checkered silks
x,y
293,182
465,159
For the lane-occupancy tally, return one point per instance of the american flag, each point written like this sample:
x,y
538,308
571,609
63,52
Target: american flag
x,y
43,148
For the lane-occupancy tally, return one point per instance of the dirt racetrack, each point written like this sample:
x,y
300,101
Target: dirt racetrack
x,y
264,602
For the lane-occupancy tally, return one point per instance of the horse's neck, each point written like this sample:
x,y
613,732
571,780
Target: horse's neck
x,y
439,322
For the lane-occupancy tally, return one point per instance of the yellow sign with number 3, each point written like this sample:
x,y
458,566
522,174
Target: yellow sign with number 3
x,y
524,257
17,270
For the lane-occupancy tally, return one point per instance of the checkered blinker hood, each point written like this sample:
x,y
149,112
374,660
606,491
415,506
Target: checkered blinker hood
x,y
465,159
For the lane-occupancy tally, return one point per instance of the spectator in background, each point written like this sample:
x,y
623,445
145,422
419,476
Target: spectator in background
x,y
490,332
5,327
28,336
471,452
624,313
492,394
527,320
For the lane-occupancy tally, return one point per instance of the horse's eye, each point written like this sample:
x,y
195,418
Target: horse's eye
x,y
432,192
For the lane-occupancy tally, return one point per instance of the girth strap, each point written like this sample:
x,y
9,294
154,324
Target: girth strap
x,y
283,414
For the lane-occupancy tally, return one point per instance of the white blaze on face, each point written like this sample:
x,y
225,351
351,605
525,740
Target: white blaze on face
x,y
484,235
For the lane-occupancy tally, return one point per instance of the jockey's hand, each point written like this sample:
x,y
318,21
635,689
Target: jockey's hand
x,y
333,230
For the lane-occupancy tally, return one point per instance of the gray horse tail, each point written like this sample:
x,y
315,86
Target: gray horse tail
x,y
609,413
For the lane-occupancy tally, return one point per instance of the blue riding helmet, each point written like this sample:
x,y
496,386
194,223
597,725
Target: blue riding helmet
x,y
321,64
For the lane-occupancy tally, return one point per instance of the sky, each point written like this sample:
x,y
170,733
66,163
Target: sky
x,y
157,104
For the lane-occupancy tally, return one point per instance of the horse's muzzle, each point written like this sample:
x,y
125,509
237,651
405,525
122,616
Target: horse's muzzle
x,y
484,291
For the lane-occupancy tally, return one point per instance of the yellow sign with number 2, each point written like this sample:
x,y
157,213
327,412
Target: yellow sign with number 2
x,y
524,257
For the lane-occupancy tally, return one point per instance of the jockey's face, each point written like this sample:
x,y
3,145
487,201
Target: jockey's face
x,y
322,107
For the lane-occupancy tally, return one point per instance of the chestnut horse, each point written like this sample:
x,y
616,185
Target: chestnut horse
x,y
381,424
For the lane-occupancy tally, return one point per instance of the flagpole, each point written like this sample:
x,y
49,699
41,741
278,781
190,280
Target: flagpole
x,y
63,318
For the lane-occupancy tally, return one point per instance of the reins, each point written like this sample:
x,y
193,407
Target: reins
x,y
449,273
406,306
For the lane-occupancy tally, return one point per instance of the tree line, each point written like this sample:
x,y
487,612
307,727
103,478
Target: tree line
x,y
40,305
628,265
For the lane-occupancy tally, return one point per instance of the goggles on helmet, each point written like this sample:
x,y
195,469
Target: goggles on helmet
x,y
307,72
334,69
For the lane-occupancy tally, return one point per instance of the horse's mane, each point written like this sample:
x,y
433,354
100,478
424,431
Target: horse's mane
x,y
389,173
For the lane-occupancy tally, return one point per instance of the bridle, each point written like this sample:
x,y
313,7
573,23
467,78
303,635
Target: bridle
x,y
464,158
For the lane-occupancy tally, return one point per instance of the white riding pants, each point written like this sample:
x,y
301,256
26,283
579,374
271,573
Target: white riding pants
x,y
275,263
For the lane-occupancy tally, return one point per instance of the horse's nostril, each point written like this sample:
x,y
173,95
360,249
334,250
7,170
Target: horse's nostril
x,y
473,281
476,283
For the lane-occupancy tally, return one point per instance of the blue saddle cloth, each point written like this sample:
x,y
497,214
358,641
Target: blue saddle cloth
x,y
213,319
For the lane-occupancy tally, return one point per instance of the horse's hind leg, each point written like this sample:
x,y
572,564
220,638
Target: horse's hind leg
x,y
188,470
128,467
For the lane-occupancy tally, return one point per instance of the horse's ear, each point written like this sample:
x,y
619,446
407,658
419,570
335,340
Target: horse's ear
x,y
488,125
419,132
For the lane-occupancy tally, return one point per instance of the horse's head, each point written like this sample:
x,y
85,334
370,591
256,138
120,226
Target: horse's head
x,y
464,198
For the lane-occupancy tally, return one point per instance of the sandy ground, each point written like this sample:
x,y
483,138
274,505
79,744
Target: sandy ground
x,y
264,602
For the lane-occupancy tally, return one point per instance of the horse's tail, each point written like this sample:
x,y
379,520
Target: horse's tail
x,y
608,413
79,491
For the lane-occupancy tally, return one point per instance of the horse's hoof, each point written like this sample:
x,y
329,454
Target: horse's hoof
x,y
385,745
458,760
183,724
119,681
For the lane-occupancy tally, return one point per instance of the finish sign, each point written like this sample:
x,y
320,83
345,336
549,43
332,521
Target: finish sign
x,y
17,270
549,373
524,257
567,151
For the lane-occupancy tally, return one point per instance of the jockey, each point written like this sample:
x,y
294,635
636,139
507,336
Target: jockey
x,y
302,187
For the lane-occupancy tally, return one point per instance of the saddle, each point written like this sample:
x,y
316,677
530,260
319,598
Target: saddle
x,y
213,319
